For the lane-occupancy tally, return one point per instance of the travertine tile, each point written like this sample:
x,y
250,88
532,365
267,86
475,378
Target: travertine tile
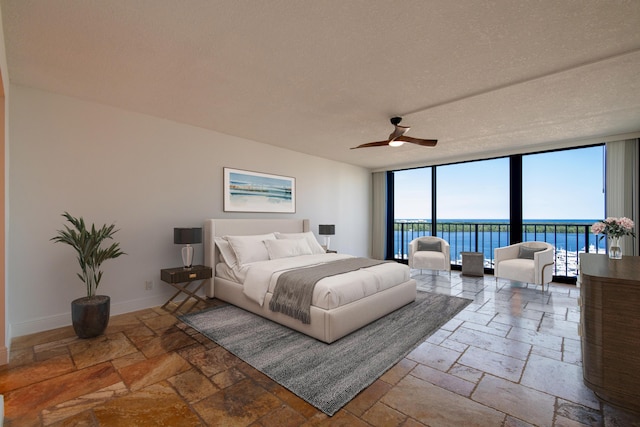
x,y
572,346
282,417
381,415
517,321
100,349
214,361
497,364
466,373
559,379
159,323
32,399
435,356
193,386
578,413
438,336
166,342
545,352
228,377
174,365
29,341
83,419
435,406
479,318
398,371
12,379
522,402
496,344
497,329
560,328
367,398
142,374
157,405
82,404
238,405
140,335
299,405
514,422
535,338
444,380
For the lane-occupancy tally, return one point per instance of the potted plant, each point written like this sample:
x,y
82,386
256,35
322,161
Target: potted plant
x,y
90,314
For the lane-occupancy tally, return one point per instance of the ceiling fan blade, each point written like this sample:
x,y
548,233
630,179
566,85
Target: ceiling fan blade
x,y
398,131
372,144
419,141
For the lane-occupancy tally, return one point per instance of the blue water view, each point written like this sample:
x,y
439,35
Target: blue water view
x,y
569,237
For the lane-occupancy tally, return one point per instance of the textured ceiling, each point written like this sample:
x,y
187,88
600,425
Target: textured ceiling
x,y
319,77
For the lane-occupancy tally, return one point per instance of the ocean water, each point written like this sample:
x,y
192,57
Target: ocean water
x,y
569,241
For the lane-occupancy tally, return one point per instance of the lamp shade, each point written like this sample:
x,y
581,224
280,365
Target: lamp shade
x,y
327,230
187,236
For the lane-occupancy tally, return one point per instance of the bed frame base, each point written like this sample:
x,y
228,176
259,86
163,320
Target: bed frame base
x,y
326,325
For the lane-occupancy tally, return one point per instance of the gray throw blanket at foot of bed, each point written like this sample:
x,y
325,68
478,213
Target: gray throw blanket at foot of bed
x,y
294,289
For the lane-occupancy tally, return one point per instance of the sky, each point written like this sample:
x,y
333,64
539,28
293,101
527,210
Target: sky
x,y
558,185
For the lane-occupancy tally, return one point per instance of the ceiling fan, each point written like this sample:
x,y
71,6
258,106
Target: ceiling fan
x,y
397,137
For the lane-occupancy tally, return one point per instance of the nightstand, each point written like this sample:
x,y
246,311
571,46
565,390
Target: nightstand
x,y
180,278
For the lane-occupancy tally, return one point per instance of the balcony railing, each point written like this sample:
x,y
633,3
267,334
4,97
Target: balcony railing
x,y
569,239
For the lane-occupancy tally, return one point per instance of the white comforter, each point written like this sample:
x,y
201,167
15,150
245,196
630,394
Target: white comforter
x,y
260,277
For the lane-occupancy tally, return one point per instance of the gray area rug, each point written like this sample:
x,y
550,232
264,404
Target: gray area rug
x,y
326,375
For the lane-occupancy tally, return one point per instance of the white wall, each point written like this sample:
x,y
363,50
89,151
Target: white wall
x,y
148,175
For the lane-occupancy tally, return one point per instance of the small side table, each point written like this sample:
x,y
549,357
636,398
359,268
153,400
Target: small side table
x,y
180,278
472,263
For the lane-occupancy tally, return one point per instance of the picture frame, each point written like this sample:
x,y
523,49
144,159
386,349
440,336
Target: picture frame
x,y
248,191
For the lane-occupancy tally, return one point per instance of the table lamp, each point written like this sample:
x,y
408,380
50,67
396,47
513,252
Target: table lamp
x,y
327,230
187,236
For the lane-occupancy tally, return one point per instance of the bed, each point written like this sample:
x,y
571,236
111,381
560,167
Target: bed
x,y
337,309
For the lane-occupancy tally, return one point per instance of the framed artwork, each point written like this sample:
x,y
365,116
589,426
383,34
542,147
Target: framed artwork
x,y
246,191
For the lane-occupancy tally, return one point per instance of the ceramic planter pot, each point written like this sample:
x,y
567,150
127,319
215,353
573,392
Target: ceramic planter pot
x,y
90,315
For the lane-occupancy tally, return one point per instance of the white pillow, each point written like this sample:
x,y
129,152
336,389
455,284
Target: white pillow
x,y
250,248
285,248
309,236
226,252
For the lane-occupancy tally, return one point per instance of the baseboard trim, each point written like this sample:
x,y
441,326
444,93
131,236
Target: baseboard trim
x,y
4,356
64,319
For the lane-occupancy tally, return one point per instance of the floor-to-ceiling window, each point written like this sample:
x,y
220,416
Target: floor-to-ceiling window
x,y
412,207
472,205
552,196
562,195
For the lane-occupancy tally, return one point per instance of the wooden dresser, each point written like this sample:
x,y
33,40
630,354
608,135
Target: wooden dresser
x,y
610,328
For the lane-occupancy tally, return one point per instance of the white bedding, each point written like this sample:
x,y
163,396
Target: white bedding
x,y
259,278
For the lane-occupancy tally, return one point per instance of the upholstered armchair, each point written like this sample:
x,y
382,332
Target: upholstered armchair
x,y
429,253
529,262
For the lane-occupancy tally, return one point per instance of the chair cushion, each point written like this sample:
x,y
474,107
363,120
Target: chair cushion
x,y
519,269
429,260
527,252
425,245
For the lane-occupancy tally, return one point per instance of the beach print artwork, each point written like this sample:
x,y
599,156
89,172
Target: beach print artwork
x,y
246,191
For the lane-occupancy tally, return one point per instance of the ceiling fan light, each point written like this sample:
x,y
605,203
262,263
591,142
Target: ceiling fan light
x,y
396,143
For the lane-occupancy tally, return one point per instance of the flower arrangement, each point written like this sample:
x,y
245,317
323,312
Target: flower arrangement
x,y
614,227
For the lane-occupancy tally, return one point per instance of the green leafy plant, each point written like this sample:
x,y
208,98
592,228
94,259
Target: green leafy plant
x,y
87,243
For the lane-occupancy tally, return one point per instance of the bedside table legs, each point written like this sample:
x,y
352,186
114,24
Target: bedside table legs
x,y
184,289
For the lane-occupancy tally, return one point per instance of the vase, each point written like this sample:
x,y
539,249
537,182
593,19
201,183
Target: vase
x,y
90,315
615,251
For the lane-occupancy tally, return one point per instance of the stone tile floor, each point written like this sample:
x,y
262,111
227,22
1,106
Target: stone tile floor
x,y
511,358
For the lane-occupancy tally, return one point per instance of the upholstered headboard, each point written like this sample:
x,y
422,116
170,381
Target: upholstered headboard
x,y
244,227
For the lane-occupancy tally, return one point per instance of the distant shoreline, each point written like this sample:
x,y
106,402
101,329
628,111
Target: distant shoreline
x,y
504,221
